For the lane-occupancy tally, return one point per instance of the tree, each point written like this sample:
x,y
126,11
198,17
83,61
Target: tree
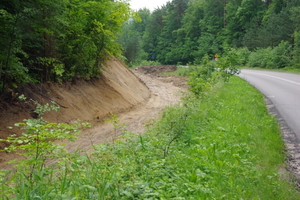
x,y
132,33
54,40
152,33
247,13
12,70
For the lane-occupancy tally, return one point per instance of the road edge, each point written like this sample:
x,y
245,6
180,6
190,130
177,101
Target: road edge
x,y
291,142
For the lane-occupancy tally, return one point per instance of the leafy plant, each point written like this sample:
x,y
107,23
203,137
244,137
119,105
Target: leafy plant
x,y
115,122
38,145
229,63
281,55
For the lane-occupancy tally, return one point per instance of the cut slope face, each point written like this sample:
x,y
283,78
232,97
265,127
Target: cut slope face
x,y
90,101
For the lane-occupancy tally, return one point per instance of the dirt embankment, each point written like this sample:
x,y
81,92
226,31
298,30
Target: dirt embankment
x,y
136,97
157,70
116,91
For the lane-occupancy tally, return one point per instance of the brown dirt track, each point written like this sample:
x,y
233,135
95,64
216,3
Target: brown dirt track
x,y
136,97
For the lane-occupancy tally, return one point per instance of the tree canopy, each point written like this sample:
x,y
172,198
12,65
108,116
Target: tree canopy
x,y
44,40
53,40
185,31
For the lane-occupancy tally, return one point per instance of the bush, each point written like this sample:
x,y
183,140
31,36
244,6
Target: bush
x,y
281,55
229,62
296,51
38,145
278,57
243,55
261,58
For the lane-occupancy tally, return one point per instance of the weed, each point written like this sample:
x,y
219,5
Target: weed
x,y
37,145
115,122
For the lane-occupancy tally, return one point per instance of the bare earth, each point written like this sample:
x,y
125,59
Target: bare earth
x,y
162,94
164,91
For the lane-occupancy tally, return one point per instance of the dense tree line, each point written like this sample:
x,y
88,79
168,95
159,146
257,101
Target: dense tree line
x,y
42,40
184,31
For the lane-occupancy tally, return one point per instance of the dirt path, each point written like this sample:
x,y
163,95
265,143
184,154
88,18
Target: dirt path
x,y
164,92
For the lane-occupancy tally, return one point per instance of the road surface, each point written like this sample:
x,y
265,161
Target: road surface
x,y
283,89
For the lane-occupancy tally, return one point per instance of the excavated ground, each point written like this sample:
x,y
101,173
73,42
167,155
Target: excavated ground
x,y
135,96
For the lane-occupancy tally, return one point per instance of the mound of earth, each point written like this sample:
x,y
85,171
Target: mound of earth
x,y
156,70
117,90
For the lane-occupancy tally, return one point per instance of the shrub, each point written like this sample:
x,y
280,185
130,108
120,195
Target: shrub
x,y
243,55
261,58
37,145
281,55
278,57
296,51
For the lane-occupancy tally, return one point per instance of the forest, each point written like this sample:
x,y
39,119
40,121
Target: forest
x,y
53,40
264,33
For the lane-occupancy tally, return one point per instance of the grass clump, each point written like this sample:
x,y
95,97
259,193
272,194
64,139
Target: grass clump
x,y
223,145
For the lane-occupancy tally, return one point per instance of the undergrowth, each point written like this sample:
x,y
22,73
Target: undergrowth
x,y
223,145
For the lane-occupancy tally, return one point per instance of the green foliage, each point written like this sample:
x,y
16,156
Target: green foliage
x,y
90,35
54,40
260,58
131,37
243,55
182,32
225,145
296,51
203,78
38,144
116,123
281,55
229,63
12,71
79,35
278,57
199,82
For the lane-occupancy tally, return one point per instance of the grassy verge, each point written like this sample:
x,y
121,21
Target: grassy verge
x,y
181,71
286,69
224,146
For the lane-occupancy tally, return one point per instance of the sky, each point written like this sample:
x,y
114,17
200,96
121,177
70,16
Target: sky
x,y
150,4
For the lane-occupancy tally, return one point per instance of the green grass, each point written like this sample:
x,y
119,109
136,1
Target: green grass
x,y
224,146
292,70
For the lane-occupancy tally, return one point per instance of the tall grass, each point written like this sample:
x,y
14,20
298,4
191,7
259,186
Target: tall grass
x,y
224,146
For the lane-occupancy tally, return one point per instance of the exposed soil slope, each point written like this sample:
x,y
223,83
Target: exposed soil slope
x,y
116,91
162,94
135,100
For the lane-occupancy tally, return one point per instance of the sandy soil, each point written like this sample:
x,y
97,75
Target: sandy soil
x,y
164,91
162,95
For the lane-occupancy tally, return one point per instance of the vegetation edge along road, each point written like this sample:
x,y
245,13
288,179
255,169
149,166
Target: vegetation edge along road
x,y
220,145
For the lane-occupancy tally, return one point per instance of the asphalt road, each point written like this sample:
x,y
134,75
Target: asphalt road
x,y
283,89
